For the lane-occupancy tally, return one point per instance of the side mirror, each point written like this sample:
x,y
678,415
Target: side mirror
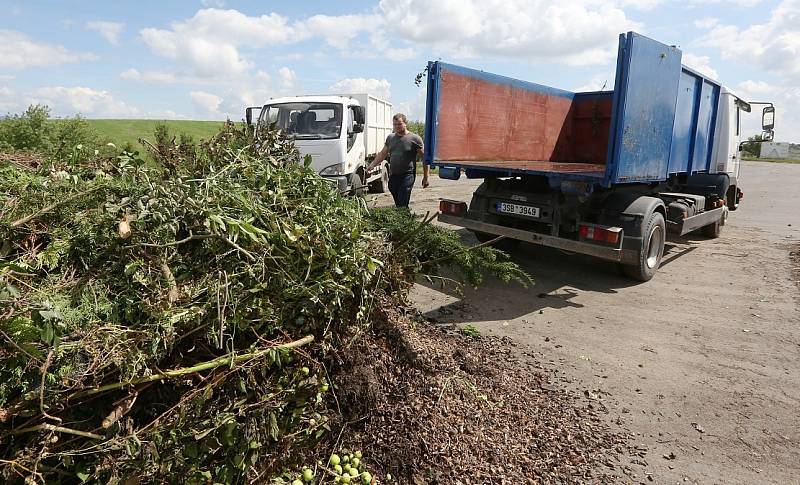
x,y
768,135
358,128
248,114
359,115
768,118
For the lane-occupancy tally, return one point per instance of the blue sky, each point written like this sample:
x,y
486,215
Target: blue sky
x,y
208,59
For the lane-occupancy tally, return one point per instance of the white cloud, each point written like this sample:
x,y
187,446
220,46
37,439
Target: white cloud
x,y
86,101
413,108
377,87
154,77
641,4
109,30
209,42
9,102
787,108
207,102
287,77
759,88
331,27
706,23
295,56
773,46
702,64
381,47
7,77
738,3
583,32
18,51
598,82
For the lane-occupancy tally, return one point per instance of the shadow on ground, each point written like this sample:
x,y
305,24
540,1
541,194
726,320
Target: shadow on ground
x,y
559,277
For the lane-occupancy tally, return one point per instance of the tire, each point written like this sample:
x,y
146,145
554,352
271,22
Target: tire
x,y
357,188
654,234
713,231
381,185
506,244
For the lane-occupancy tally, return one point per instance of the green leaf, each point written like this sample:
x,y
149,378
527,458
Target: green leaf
x,y
47,333
33,351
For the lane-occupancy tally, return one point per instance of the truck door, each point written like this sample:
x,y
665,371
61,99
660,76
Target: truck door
x,y
355,146
734,140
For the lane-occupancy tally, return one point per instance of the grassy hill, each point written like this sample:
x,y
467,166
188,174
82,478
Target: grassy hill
x,y
123,131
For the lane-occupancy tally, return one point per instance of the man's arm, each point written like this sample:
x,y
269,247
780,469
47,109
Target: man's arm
x,y
379,158
426,169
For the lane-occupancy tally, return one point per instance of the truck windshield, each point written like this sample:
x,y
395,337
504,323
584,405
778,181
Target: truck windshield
x,y
304,120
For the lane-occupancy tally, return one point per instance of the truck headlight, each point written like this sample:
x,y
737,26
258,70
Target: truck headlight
x,y
335,169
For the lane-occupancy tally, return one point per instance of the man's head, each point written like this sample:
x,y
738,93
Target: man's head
x,y
399,123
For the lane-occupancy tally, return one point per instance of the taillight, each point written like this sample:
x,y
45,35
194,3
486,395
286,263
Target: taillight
x,y
609,235
452,207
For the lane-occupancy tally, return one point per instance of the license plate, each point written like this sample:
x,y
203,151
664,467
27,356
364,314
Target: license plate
x,y
517,209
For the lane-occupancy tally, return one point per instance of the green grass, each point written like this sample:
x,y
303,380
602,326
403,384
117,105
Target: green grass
x,y
772,160
123,131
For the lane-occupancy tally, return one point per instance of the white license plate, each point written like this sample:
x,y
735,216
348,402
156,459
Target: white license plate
x,y
520,210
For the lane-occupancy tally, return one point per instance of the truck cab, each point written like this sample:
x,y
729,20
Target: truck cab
x,y
335,131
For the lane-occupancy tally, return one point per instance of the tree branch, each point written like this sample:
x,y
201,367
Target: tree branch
x,y
211,364
60,429
52,206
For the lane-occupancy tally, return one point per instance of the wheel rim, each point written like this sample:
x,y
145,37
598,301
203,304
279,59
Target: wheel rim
x,y
654,247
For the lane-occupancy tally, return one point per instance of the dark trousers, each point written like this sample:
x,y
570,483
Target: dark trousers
x,y
400,186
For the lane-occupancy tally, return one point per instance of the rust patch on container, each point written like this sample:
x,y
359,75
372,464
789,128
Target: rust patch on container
x,y
482,122
479,120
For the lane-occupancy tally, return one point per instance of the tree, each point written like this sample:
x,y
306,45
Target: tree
x,y
417,127
28,131
753,145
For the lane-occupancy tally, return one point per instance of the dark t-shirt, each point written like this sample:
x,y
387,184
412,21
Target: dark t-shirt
x,y
403,152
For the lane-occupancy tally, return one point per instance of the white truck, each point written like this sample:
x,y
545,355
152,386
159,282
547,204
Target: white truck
x,y
342,133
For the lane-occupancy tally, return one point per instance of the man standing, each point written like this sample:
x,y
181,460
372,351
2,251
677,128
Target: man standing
x,y
402,147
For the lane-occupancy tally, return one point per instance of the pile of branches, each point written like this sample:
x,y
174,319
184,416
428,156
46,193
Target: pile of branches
x,y
176,321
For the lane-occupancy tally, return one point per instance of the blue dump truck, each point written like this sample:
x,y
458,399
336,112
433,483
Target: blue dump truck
x,y
606,173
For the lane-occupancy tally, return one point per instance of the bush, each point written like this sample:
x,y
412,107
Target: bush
x,y
63,138
27,131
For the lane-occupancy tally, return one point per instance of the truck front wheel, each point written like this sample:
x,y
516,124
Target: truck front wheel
x,y
357,185
651,250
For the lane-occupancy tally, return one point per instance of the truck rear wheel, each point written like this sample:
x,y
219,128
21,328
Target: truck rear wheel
x,y
381,185
654,234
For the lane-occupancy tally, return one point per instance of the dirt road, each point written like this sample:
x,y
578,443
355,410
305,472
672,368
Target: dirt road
x,y
702,363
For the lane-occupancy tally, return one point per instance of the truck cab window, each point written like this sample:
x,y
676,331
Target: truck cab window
x,y
304,120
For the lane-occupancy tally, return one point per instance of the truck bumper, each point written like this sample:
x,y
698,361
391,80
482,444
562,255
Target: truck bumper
x,y
341,183
615,254
696,222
